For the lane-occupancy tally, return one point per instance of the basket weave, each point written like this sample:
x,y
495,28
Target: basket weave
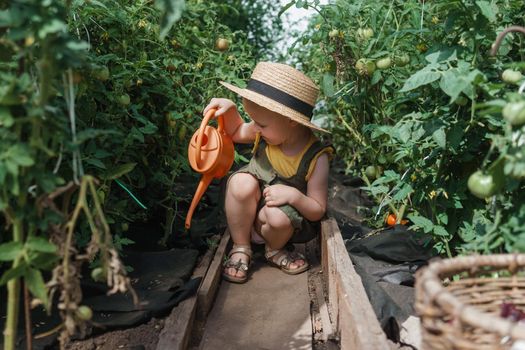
x,y
464,313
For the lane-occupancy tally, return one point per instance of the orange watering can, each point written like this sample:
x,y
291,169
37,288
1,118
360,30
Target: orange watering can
x,y
210,153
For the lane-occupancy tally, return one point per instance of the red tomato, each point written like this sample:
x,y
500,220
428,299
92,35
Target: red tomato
x,y
391,220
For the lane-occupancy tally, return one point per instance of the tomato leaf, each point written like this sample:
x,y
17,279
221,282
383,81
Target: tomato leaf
x,y
171,13
10,251
35,284
6,119
440,231
423,77
440,137
95,162
40,244
12,273
51,27
119,171
422,222
403,193
452,83
488,10
19,154
443,55
91,133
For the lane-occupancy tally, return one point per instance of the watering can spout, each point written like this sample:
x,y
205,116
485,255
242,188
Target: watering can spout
x,y
203,185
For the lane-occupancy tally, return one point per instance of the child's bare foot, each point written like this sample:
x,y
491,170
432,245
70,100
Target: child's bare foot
x,y
291,263
236,267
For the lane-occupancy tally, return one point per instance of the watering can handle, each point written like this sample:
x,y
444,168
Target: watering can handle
x,y
200,136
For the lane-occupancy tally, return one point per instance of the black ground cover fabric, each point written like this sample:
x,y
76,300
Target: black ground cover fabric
x,y
160,279
386,262
385,259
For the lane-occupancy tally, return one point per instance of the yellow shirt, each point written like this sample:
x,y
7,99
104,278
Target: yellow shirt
x,y
287,166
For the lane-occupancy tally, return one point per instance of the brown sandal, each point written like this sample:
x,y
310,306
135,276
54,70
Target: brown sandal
x,y
282,259
238,265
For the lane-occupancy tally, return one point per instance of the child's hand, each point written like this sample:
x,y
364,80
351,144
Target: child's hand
x,y
277,195
222,105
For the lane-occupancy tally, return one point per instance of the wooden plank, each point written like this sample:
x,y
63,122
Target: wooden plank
x,y
328,331
177,328
204,264
322,325
210,284
356,321
208,291
329,272
178,325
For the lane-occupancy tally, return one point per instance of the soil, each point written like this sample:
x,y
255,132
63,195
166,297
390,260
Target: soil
x,y
142,337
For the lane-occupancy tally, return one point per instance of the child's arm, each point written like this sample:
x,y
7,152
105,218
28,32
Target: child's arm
x,y
312,206
239,131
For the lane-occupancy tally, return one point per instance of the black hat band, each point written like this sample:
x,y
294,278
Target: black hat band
x,y
281,97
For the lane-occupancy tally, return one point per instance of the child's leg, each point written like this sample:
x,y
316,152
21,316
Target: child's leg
x,y
242,197
276,229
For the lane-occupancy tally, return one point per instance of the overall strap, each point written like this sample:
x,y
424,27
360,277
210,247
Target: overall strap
x,y
304,165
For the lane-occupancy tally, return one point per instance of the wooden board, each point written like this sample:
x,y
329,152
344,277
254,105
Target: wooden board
x,y
353,316
321,324
177,328
210,284
179,325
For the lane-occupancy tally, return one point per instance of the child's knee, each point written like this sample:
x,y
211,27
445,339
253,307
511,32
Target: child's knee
x,y
243,186
276,219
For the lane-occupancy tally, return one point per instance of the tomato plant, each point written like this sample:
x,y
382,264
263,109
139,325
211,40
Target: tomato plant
x,y
440,110
86,88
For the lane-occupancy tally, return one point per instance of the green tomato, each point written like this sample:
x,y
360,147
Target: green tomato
x,y
482,185
511,76
365,66
402,60
363,34
461,101
333,33
514,113
222,44
97,274
182,133
101,196
384,63
371,172
101,73
124,99
84,313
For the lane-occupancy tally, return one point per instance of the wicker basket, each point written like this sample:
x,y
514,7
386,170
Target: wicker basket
x,y
464,312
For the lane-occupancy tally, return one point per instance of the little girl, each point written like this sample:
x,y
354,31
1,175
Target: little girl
x,y
281,194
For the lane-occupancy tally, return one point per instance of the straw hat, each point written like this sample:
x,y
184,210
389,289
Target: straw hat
x,y
281,89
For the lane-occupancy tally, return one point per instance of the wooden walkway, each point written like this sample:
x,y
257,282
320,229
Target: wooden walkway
x,y
270,311
326,308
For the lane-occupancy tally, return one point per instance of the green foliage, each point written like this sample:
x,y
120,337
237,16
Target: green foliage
x,y
113,89
432,116
135,123
261,22
171,12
